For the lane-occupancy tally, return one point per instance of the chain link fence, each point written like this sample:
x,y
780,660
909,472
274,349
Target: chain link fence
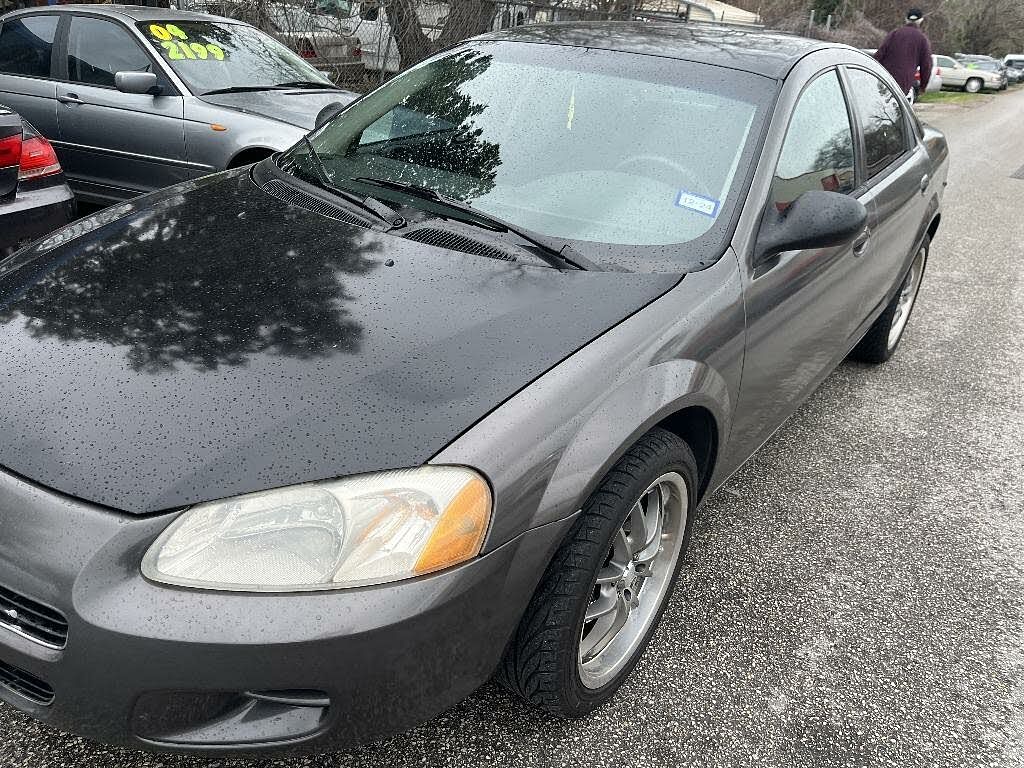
x,y
361,43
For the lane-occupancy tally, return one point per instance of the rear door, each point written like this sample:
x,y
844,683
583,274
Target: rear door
x,y
26,59
115,144
896,169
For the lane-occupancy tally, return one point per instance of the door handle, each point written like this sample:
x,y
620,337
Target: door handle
x,y
861,243
925,181
70,98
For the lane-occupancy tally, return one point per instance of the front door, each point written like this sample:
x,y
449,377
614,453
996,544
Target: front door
x,y
804,306
953,75
116,145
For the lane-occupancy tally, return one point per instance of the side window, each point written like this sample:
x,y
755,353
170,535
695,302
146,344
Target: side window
x,y
26,44
946,62
98,50
818,151
880,113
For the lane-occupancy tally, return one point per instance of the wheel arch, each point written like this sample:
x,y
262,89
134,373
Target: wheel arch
x,y
249,155
696,426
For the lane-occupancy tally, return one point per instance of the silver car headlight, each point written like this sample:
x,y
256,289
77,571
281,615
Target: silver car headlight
x,y
367,529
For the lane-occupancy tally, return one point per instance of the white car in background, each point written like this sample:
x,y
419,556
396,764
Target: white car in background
x,y
367,20
318,38
935,81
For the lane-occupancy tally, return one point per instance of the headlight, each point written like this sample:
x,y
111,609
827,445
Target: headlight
x,y
368,529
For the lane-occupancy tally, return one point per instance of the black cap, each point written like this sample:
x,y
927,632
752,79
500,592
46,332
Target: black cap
x,y
915,14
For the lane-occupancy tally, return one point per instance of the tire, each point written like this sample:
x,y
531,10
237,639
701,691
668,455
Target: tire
x,y
974,85
885,334
543,662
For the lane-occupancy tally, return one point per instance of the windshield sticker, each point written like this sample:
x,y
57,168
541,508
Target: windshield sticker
x,y
177,46
705,206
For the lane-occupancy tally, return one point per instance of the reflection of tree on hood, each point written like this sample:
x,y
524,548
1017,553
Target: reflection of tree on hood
x,y
177,285
461,150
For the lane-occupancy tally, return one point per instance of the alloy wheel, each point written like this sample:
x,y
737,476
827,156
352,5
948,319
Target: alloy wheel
x,y
634,581
907,296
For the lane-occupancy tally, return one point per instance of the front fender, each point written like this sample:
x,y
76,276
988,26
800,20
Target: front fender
x,y
215,149
546,448
629,412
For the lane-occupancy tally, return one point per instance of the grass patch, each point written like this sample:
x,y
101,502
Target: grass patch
x,y
946,97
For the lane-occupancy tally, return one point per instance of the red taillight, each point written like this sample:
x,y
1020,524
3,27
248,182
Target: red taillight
x,y
37,159
938,71
10,151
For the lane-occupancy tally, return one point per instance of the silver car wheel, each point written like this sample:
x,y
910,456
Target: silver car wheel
x,y
973,85
907,296
634,581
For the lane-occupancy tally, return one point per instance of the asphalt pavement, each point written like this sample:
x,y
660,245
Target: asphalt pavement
x,y
854,595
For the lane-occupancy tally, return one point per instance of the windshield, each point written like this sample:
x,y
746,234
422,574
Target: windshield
x,y
602,147
212,55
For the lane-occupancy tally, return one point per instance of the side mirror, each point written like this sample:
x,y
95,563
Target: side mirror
x,y
814,220
328,113
137,82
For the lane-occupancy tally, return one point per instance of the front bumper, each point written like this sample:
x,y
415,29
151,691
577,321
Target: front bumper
x,y
35,211
183,670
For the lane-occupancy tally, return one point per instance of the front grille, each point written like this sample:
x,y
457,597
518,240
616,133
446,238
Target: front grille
x,y
289,194
25,684
456,242
33,620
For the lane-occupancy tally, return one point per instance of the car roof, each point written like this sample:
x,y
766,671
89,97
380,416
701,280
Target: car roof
x,y
123,12
771,54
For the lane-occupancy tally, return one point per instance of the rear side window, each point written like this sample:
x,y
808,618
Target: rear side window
x,y
98,50
946,62
818,151
880,113
26,44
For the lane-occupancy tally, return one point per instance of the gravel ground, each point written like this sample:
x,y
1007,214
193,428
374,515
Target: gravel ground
x,y
853,597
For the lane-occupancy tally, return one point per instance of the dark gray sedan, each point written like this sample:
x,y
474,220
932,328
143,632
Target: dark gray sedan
x,y
315,448
141,98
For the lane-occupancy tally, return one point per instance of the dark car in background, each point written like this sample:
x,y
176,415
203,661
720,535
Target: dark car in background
x,y
34,198
139,98
315,448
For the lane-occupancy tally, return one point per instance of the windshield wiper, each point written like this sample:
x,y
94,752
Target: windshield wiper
x,y
308,84
239,89
377,208
556,252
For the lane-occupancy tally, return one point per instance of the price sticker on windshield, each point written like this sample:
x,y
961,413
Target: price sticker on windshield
x,y
177,46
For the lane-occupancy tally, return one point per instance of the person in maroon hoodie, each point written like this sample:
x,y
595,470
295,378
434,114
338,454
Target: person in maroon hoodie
x,y
904,50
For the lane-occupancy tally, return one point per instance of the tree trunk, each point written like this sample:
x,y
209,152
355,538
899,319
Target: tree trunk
x,y
465,19
413,43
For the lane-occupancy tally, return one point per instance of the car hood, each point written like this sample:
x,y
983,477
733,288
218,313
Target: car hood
x,y
211,340
297,107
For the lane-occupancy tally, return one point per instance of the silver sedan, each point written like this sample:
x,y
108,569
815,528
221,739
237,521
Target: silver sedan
x,y
135,99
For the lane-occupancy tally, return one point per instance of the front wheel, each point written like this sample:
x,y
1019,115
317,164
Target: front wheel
x,y
603,594
974,85
881,340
